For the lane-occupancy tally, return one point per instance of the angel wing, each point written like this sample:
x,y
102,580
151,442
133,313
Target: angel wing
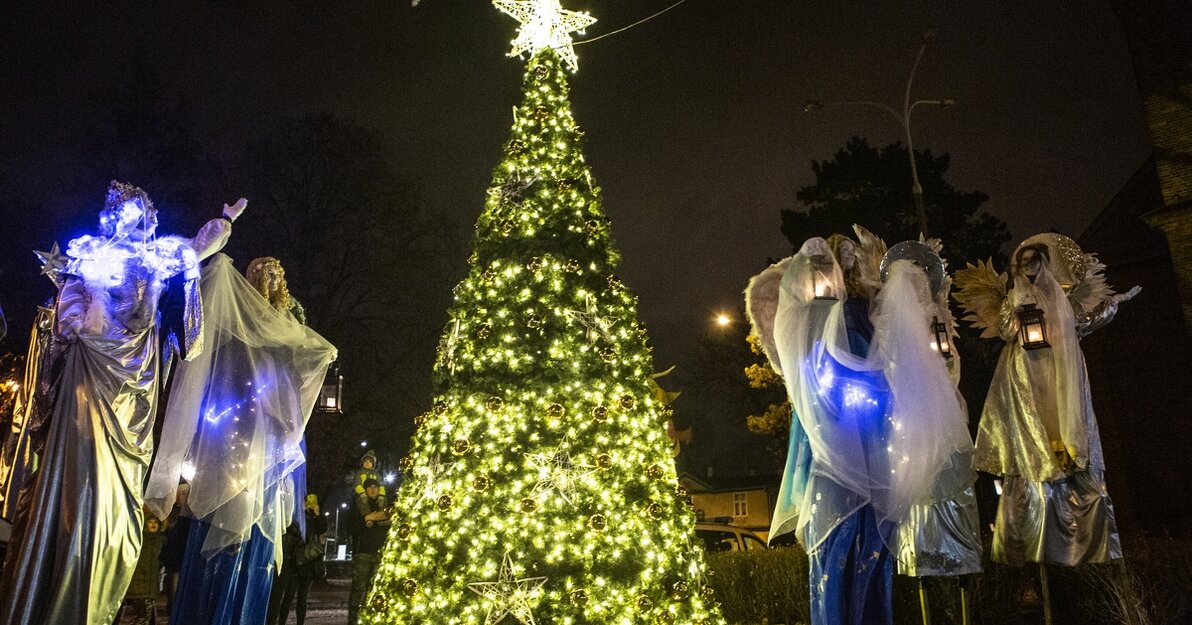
x,y
761,306
980,291
1092,290
869,258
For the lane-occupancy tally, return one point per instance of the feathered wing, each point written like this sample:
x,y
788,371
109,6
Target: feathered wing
x,y
869,257
1092,290
980,291
761,306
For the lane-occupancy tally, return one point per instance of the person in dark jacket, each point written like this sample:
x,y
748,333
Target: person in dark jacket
x,y
297,575
174,547
144,588
373,520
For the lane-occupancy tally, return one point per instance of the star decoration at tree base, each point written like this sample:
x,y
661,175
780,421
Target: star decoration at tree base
x,y
508,596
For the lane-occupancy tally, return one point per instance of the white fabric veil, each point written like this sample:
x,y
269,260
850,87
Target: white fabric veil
x,y
237,413
928,424
1060,401
831,391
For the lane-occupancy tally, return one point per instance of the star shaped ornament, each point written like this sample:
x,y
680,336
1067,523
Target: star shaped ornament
x,y
596,326
430,476
557,472
52,264
447,346
508,596
544,24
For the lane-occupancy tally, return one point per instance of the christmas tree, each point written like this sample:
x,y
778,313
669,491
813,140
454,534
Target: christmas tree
x,y
541,488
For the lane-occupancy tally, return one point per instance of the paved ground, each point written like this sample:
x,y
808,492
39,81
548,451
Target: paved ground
x,y
327,604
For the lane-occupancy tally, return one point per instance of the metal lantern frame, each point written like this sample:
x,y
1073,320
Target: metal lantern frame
x,y
331,395
942,341
821,282
1032,327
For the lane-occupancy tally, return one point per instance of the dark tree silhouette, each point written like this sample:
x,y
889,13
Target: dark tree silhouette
x,y
871,186
367,263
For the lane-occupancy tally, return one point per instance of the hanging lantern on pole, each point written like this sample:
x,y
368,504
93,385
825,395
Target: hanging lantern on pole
x,y
332,394
940,340
1032,329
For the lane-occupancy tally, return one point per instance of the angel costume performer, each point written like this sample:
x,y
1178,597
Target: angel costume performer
x,y
77,534
1038,430
939,536
236,419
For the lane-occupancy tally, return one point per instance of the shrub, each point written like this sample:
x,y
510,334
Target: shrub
x,y
1151,587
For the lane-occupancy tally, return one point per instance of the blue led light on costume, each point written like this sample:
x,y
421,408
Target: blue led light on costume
x,y
213,417
861,397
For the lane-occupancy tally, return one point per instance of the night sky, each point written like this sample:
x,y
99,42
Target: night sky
x,y
694,122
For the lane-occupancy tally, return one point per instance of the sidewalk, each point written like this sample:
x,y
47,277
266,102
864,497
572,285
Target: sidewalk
x,y
326,604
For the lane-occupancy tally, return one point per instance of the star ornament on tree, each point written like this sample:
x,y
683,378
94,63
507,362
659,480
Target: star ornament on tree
x,y
429,478
557,472
447,346
544,24
509,596
596,326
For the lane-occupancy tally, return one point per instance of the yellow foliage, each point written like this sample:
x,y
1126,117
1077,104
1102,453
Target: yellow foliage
x,y
774,421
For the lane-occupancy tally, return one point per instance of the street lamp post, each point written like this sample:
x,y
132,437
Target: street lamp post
x,y
904,120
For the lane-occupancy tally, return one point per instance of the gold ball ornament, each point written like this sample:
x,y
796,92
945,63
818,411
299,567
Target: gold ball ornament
x,y
666,618
592,227
528,505
404,531
564,185
488,275
444,503
420,419
614,283
461,446
597,522
481,483
409,587
517,145
540,72
441,408
654,471
535,263
533,321
709,591
579,597
626,402
608,354
494,404
604,461
679,591
507,226
483,331
600,414
379,602
644,603
541,113
555,410
572,265
654,510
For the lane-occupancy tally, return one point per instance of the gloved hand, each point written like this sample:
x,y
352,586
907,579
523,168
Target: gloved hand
x,y
233,211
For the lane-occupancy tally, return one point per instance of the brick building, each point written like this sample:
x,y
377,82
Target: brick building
x,y
1139,367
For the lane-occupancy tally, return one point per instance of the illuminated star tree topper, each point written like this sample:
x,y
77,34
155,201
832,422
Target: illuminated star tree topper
x,y
545,24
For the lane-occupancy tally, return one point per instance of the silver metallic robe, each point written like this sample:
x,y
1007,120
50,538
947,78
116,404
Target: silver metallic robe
x,y
77,536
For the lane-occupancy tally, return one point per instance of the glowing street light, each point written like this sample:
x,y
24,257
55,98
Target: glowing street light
x,y
723,320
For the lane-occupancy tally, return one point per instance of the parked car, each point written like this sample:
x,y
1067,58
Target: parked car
x,y
719,537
